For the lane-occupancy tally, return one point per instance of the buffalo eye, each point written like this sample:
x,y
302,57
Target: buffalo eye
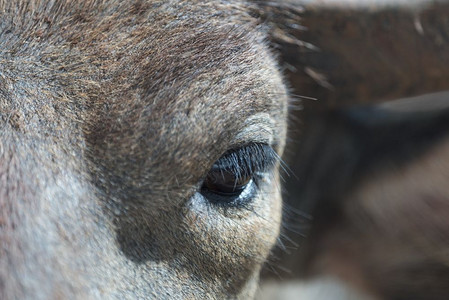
x,y
225,182
234,178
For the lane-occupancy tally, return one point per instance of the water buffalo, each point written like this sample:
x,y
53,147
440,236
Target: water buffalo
x,y
139,146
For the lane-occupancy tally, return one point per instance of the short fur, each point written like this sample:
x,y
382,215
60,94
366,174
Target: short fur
x,y
111,114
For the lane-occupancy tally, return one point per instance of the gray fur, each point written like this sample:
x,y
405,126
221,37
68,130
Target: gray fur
x,y
111,114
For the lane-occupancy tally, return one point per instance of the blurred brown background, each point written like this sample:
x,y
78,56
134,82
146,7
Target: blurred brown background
x,y
339,53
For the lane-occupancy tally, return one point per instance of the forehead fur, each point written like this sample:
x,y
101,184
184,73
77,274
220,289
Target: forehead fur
x,y
141,71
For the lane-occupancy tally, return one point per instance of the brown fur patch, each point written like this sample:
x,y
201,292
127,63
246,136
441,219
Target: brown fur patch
x,y
117,110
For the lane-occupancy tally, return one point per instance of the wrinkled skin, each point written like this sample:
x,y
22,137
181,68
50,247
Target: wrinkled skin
x,y
111,115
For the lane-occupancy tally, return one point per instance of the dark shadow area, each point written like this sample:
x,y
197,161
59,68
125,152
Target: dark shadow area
x,y
345,57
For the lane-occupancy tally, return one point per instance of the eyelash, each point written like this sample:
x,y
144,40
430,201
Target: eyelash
x,y
251,158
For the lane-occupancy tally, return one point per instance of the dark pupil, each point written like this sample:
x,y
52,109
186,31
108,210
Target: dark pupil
x,y
225,182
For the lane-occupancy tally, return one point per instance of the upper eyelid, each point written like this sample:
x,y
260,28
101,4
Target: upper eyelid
x,y
259,128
